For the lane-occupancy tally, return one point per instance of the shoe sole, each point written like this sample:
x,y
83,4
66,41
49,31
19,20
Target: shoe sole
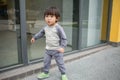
x,y
41,78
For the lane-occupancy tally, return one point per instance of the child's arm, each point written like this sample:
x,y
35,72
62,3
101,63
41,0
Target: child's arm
x,y
63,39
38,35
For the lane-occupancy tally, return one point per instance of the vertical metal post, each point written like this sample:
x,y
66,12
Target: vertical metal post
x,y
23,31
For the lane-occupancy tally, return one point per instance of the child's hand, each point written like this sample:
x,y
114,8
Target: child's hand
x,y
32,40
61,50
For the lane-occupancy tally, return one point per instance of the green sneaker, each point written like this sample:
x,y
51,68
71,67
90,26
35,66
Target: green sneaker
x,y
64,77
42,75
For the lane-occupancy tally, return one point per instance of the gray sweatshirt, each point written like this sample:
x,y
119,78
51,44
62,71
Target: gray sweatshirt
x,y
55,37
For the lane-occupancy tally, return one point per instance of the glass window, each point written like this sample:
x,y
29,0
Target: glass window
x,y
35,21
91,16
9,34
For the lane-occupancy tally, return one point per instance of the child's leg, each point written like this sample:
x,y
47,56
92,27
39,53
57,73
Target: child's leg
x,y
47,61
60,63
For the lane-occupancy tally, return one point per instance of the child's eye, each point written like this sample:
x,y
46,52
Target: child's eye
x,y
51,16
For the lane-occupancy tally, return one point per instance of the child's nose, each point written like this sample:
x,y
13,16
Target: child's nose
x,y
49,17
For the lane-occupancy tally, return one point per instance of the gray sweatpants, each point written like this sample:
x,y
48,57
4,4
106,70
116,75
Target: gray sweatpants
x,y
58,58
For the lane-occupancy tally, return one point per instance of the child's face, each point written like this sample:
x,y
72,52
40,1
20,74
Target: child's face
x,y
50,20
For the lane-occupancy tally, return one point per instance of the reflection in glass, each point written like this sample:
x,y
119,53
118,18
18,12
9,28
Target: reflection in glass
x,y
9,31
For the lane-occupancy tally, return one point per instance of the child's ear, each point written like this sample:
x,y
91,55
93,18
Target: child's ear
x,y
57,19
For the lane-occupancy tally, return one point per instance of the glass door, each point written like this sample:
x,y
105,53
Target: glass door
x,y
9,33
69,20
93,22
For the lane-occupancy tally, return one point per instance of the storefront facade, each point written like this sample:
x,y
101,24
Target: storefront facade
x,y
87,23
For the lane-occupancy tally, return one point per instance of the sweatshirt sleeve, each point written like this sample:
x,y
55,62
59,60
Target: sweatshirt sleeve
x,y
40,34
63,38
